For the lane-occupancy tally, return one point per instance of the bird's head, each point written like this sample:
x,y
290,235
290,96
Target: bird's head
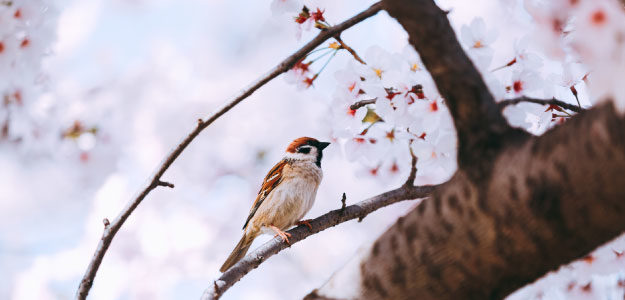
x,y
306,148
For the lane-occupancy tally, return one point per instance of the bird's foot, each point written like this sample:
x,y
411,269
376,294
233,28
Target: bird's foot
x,y
284,235
305,222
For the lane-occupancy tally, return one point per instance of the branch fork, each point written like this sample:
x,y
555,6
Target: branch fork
x,y
165,184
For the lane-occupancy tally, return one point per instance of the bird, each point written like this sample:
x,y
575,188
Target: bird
x,y
286,195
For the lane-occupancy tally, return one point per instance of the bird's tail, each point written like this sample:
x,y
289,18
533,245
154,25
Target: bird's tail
x,y
239,251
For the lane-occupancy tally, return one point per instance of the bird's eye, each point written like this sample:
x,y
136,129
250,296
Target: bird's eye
x,y
304,150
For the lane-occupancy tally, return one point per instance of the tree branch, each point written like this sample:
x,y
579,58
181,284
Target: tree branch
x,y
503,104
413,168
285,65
554,101
165,184
362,103
359,210
350,50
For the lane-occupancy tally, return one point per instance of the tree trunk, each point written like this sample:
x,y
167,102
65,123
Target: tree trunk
x,y
548,201
518,207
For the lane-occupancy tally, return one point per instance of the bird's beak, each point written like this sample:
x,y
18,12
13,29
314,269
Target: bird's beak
x,y
323,145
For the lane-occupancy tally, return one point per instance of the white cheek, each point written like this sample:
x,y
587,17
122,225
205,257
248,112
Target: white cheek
x,y
300,156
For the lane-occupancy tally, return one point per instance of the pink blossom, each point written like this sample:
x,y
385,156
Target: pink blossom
x,y
478,40
523,82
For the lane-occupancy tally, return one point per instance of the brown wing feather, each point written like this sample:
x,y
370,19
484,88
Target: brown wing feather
x,y
272,180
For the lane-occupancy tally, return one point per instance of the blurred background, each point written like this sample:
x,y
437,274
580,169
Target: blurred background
x,y
123,83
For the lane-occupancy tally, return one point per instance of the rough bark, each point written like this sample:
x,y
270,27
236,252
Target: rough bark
x,y
518,206
550,199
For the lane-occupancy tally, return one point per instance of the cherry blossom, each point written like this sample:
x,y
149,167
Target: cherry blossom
x,y
408,106
523,57
580,26
567,82
299,74
476,36
361,147
524,82
601,23
95,136
304,22
413,59
346,121
429,116
436,154
348,80
478,40
391,141
26,32
379,62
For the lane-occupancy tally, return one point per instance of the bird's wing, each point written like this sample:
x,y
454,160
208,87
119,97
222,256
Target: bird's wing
x,y
272,180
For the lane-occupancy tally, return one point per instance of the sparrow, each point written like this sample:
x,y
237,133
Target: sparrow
x,y
286,195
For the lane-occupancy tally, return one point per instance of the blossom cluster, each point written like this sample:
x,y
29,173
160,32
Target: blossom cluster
x,y
524,73
598,275
590,32
582,54
405,115
27,28
302,17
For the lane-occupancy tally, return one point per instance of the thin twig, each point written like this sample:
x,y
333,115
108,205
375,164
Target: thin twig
x,y
255,258
502,104
413,168
571,107
362,103
285,65
343,204
165,184
578,104
349,49
574,92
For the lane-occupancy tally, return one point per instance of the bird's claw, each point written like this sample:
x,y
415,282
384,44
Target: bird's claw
x,y
284,235
305,222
